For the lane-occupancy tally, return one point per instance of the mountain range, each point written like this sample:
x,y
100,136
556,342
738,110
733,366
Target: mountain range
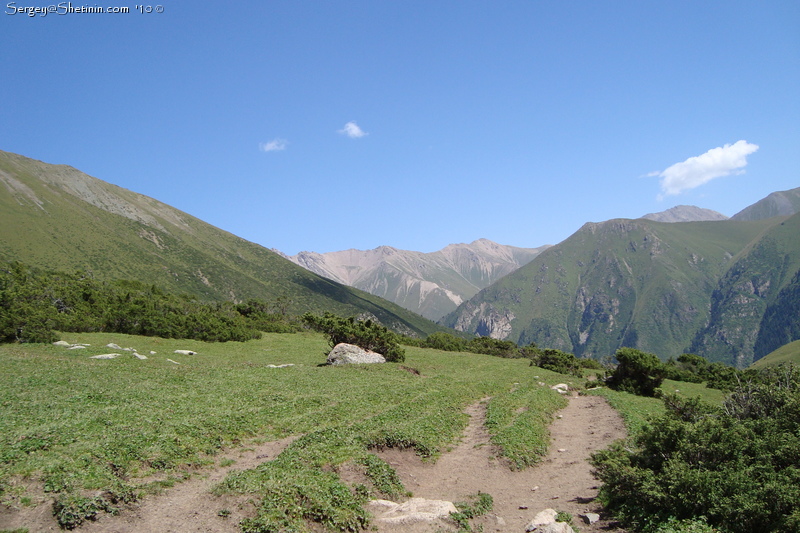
x,y
726,289
431,284
683,280
58,218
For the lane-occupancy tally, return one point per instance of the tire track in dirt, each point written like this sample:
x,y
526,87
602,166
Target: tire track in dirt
x,y
562,481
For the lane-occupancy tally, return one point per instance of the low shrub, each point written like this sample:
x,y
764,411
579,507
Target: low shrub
x,y
367,334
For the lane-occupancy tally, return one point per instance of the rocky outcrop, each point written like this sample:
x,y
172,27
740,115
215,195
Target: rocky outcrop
x,y
347,354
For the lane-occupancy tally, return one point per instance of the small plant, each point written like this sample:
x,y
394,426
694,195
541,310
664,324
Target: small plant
x,y
384,478
224,513
565,517
227,462
72,510
479,505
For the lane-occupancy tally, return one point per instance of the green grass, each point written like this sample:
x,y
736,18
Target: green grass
x,y
788,353
636,411
79,425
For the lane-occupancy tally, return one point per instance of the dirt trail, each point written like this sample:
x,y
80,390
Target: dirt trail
x,y
563,481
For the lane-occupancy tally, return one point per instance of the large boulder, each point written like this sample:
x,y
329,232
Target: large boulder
x,y
345,354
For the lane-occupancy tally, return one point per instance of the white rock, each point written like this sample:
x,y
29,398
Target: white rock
x,y
343,354
152,352
280,366
61,343
174,362
548,516
415,510
561,387
113,346
185,352
139,356
105,356
77,347
590,518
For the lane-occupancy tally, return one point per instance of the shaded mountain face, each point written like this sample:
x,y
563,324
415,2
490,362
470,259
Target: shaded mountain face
x,y
781,203
56,217
431,284
685,213
662,288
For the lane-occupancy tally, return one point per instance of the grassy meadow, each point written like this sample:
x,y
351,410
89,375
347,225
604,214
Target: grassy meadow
x,y
71,426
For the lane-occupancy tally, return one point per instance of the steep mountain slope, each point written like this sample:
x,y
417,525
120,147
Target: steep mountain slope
x,y
685,213
633,283
756,302
431,284
56,217
781,203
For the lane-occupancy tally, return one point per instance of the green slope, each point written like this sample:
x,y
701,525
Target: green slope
x,y
753,285
56,217
635,283
788,353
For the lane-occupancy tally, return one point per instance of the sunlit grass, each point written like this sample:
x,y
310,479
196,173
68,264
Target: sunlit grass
x,y
78,424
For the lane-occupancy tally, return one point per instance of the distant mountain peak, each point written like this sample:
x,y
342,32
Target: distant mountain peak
x,y
780,203
431,284
685,213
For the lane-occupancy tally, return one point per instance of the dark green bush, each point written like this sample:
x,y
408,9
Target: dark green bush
x,y
367,334
441,340
637,372
738,466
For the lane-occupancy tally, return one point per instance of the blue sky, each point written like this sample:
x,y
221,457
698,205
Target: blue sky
x,y
330,125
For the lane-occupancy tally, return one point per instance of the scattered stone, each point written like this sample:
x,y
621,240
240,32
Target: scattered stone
x,y
590,518
61,343
280,366
535,488
152,352
523,507
561,388
77,347
344,354
105,356
139,356
185,352
173,362
113,346
129,349
412,511
562,450
559,416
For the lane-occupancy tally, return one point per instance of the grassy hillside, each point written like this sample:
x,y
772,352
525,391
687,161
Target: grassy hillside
x,y
635,283
56,217
788,353
73,427
752,286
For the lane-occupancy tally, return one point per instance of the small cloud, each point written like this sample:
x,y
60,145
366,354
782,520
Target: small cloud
x,y
695,171
275,145
352,130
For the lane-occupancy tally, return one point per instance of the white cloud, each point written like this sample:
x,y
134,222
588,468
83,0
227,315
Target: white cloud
x,y
352,130
275,145
695,171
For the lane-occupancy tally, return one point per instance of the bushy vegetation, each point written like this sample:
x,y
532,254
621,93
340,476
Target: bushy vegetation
x,y
367,334
34,304
737,465
637,372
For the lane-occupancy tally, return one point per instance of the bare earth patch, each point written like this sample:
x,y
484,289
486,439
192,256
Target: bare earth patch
x,y
563,481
